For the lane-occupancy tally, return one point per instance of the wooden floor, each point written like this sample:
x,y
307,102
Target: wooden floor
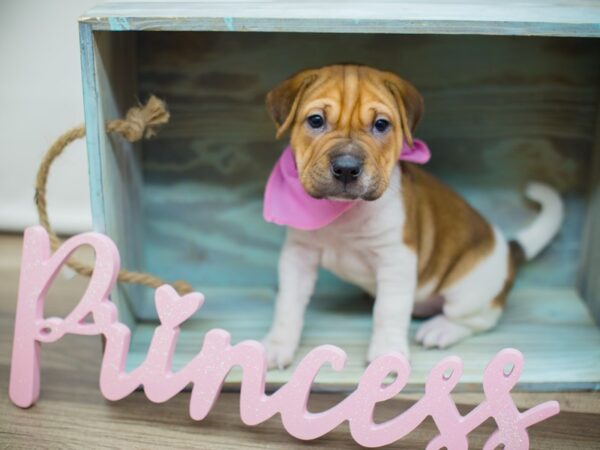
x,y
71,412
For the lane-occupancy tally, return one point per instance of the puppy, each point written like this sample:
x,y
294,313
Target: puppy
x,y
408,240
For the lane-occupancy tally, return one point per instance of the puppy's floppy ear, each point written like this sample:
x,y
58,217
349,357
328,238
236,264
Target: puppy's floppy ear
x,y
282,102
410,104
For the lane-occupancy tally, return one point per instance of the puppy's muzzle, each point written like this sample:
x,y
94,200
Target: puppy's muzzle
x,y
346,168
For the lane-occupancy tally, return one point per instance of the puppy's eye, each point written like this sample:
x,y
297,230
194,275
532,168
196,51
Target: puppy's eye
x,y
315,121
381,125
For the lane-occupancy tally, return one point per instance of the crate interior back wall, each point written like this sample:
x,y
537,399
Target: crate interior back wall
x,y
499,111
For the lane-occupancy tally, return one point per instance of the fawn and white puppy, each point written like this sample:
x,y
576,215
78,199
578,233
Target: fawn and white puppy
x,y
409,240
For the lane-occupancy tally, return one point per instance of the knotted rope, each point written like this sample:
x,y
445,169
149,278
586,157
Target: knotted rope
x,y
140,122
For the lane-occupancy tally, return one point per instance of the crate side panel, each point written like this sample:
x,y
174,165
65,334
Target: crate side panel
x,y
499,112
120,162
510,17
551,327
590,269
93,118
96,145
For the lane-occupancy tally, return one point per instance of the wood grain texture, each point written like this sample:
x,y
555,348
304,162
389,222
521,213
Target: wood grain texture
x,y
99,105
552,328
116,171
590,265
93,116
71,412
511,17
499,112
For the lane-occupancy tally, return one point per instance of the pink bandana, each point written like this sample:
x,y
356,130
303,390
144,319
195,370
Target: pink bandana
x,y
287,203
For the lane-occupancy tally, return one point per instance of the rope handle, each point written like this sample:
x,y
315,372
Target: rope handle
x,y
140,122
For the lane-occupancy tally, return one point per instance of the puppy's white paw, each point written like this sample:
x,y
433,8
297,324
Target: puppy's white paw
x,y
280,352
381,345
441,332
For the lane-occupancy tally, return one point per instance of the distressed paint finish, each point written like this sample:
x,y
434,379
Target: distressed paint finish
x,y
499,111
590,263
115,177
546,324
96,142
510,17
492,126
116,69
93,119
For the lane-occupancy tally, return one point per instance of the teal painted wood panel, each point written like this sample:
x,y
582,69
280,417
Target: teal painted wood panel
x,y
509,17
500,111
552,327
590,264
108,61
93,118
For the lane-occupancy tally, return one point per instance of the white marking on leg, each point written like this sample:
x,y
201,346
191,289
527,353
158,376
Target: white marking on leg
x,y
396,284
468,308
425,291
298,264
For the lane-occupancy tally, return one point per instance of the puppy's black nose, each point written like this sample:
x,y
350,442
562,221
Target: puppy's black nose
x,y
346,168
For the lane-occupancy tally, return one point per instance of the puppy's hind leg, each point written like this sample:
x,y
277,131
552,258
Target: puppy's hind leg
x,y
470,303
443,331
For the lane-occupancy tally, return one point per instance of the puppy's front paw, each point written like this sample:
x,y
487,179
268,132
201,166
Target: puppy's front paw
x,y
381,345
280,352
441,332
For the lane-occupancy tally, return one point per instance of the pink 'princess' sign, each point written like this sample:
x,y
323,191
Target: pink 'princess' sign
x,y
209,368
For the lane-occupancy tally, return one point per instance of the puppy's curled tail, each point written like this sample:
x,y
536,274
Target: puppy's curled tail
x,y
532,239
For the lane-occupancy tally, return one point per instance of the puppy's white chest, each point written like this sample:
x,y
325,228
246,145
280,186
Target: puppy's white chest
x,y
353,244
351,265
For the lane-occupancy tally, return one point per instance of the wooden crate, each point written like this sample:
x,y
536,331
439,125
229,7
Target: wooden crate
x,y
511,91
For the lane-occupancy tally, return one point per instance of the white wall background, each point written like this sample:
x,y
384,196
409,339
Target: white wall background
x,y
40,97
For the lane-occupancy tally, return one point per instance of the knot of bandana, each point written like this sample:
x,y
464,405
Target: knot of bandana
x,y
287,203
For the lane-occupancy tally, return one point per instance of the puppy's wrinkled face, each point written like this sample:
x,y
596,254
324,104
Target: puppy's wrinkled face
x,y
348,124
